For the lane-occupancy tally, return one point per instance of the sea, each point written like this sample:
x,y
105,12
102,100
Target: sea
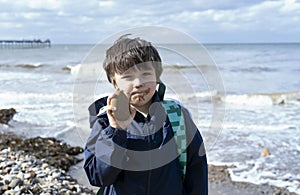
x,y
250,103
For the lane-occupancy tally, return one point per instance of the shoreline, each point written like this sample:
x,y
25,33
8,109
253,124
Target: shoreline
x,y
220,183
73,179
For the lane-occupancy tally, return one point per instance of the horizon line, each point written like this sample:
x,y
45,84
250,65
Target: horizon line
x,y
208,43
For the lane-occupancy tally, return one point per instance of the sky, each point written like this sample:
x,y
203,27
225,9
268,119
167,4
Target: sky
x,y
208,21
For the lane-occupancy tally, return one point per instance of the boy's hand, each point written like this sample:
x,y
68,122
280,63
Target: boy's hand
x,y
113,121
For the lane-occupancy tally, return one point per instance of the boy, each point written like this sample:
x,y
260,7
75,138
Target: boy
x,y
138,155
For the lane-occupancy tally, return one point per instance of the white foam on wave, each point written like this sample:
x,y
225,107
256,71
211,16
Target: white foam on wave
x,y
39,109
248,100
258,172
20,99
240,126
257,100
262,99
198,96
262,127
70,125
73,69
243,142
27,65
30,65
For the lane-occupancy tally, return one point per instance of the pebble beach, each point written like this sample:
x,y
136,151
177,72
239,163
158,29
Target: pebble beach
x,y
43,168
37,166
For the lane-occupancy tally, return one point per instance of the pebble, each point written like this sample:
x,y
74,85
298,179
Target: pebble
x,y
44,165
27,175
15,182
265,152
21,176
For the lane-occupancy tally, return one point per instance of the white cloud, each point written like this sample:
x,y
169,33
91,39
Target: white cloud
x,y
106,3
223,4
36,4
79,20
8,25
4,16
265,15
291,5
30,15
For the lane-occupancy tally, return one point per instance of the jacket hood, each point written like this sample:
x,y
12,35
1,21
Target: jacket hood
x,y
94,109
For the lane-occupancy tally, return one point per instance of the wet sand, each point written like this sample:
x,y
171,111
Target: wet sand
x,y
221,184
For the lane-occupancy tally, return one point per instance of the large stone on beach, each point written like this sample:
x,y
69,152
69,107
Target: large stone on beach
x,y
6,115
15,182
265,152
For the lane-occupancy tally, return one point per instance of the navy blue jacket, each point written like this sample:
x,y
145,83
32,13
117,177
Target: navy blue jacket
x,y
118,161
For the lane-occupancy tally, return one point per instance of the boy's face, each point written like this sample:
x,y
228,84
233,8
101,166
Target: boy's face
x,y
138,82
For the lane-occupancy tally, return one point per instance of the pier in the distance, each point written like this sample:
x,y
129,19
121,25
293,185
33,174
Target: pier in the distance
x,y
35,43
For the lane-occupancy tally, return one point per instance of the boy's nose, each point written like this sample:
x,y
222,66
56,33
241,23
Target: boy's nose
x,y
138,82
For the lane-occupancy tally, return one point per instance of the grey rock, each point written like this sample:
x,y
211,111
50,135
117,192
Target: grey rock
x,y
15,182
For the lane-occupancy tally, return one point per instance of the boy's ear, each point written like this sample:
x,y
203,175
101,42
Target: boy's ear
x,y
161,90
114,83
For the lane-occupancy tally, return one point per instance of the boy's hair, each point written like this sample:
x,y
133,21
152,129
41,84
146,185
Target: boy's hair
x,y
127,52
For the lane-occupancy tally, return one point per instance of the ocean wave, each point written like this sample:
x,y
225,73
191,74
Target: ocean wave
x,y
177,66
204,96
260,171
72,69
253,69
255,127
258,99
181,66
19,97
25,66
30,66
263,99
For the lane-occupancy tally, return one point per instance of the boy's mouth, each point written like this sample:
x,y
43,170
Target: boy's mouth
x,y
140,94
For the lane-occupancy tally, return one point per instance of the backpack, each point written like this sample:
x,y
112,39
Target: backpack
x,y
176,119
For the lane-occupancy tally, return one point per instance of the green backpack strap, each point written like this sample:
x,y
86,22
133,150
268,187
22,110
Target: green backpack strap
x,y
176,119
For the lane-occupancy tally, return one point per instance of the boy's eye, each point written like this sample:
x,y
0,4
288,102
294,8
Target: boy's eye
x,y
147,73
126,77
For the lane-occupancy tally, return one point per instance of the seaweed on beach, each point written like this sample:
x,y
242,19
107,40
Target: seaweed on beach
x,y
51,150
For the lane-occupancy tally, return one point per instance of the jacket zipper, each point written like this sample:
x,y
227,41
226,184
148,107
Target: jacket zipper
x,y
149,158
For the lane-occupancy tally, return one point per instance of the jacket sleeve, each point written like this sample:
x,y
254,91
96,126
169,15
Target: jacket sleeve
x,y
196,178
104,152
